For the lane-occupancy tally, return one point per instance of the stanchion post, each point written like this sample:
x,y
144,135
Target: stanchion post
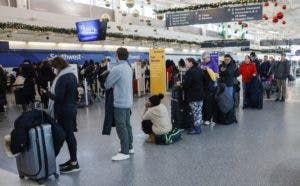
x,y
86,93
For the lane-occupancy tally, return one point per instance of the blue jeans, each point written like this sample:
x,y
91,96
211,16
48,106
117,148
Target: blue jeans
x,y
124,130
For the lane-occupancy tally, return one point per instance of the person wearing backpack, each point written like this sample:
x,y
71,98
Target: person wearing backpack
x,y
156,120
281,73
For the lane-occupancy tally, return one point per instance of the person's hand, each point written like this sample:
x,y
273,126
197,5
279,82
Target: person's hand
x,y
254,75
147,105
178,83
43,91
223,69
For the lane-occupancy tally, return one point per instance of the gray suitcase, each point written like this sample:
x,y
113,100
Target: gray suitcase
x,y
38,162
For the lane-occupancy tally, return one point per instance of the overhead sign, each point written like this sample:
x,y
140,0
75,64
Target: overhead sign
x,y
225,43
248,12
275,42
158,82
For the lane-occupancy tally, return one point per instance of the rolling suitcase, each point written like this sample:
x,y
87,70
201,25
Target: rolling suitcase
x,y
181,116
19,96
38,162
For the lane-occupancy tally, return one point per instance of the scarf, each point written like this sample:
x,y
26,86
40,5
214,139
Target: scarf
x,y
64,71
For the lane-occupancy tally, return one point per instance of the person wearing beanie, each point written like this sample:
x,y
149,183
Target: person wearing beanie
x,y
255,60
156,120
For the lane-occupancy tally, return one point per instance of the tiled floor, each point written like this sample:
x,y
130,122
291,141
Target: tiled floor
x,y
262,149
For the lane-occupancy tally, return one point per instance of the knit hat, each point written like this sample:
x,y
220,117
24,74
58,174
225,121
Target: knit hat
x,y
205,55
155,99
252,54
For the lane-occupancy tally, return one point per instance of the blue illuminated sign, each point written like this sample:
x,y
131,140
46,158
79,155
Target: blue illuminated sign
x,y
89,30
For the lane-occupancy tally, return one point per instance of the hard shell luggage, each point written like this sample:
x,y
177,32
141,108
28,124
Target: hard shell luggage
x,y
38,162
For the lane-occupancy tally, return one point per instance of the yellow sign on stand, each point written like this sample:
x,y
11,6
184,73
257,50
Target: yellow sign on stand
x,y
157,71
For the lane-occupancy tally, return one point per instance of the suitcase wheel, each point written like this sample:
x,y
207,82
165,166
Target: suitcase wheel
x,y
56,175
40,182
21,176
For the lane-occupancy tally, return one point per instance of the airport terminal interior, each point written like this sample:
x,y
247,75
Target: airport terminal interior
x,y
149,92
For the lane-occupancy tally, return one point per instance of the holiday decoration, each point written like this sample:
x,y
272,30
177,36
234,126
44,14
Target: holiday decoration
x,y
284,7
135,30
280,15
107,3
148,2
130,23
283,22
266,4
130,3
275,19
154,30
142,20
105,17
275,3
265,17
160,16
135,13
119,28
47,29
236,31
211,5
123,13
240,22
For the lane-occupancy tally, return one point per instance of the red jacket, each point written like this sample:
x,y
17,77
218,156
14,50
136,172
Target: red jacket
x,y
170,72
247,71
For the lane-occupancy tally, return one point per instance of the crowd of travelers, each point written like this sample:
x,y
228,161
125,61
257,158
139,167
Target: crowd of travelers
x,y
201,82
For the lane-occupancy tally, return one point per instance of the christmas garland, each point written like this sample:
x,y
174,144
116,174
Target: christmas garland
x,y
21,26
211,5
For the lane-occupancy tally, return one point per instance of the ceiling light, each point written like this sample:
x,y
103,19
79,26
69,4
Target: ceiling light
x,y
69,45
91,46
41,43
17,42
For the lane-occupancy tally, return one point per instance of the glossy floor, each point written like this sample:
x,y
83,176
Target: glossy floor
x,y
262,149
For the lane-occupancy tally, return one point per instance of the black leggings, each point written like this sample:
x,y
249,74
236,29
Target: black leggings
x,y
147,126
71,142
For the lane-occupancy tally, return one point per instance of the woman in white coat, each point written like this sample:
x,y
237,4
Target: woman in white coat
x,y
156,120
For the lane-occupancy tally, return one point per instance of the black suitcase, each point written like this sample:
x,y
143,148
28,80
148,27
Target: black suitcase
x,y
181,115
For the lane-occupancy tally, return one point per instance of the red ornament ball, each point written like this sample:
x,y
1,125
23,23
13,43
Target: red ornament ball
x,y
266,4
240,22
280,15
276,4
283,22
284,7
246,25
275,19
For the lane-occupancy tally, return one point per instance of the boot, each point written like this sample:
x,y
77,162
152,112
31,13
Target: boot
x,y
151,139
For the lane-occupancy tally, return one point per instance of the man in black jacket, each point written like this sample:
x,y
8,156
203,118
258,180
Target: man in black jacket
x,y
227,73
265,71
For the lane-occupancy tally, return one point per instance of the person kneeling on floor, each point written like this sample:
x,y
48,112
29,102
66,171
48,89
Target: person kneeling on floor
x,y
156,120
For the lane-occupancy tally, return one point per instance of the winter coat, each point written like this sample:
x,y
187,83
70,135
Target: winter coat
x,y
109,106
3,80
31,119
228,76
247,71
45,75
193,84
281,70
65,101
28,90
159,116
265,68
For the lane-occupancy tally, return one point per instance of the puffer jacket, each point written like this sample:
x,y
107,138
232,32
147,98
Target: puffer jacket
x,y
159,116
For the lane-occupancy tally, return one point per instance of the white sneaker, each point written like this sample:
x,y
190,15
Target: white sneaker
x,y
131,151
206,123
120,157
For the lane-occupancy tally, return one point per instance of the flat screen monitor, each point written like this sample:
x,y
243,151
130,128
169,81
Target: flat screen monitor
x,y
92,30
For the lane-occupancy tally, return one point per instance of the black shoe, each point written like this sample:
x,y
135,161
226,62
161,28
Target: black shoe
x,y
70,168
277,99
65,164
282,100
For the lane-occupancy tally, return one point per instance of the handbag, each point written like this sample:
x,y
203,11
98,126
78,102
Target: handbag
x,y
291,77
19,81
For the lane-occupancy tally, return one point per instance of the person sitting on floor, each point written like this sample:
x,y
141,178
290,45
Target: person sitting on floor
x,y
156,120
